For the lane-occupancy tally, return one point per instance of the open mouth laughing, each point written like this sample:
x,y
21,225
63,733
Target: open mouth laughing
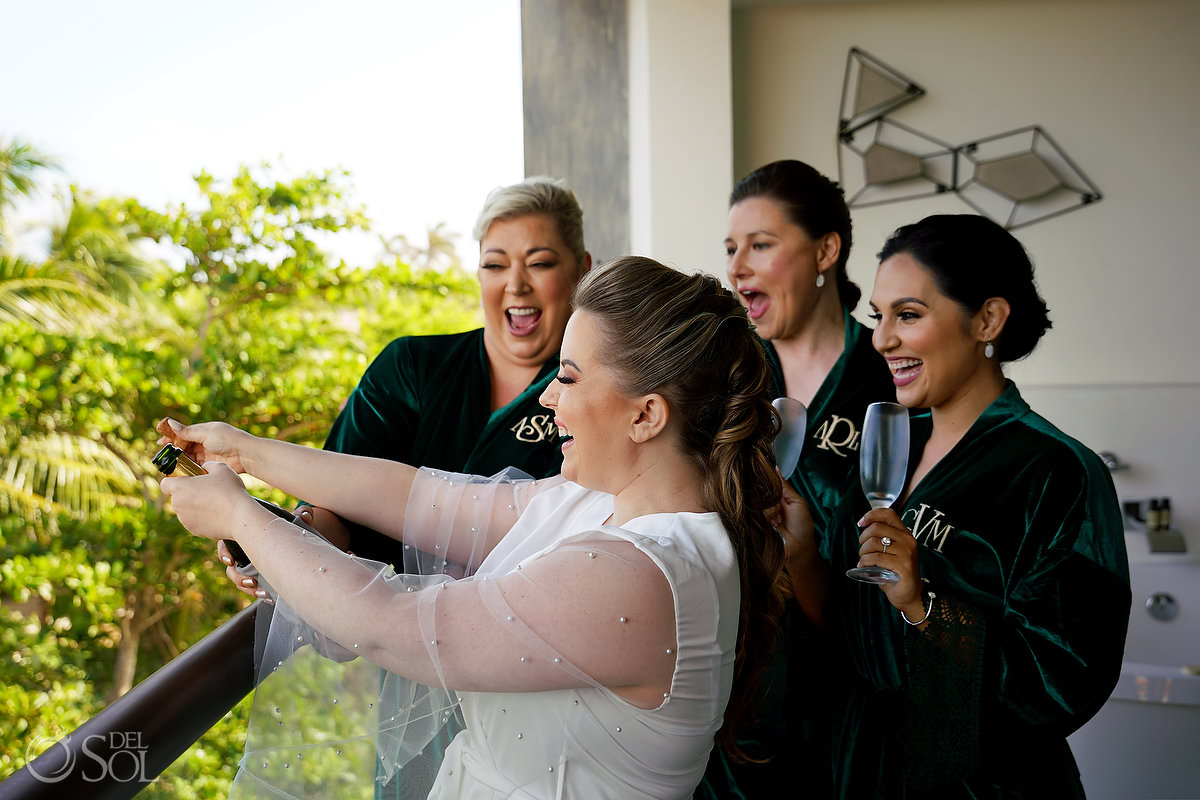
x,y
756,302
522,320
564,436
904,370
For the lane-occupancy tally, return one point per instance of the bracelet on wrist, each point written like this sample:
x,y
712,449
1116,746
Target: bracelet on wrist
x,y
928,611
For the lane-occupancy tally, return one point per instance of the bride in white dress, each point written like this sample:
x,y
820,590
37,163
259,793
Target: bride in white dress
x,y
597,628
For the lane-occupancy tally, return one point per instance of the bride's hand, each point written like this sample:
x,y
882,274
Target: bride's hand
x,y
207,441
209,505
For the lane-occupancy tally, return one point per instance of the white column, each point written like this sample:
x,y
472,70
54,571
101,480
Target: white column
x,y
680,130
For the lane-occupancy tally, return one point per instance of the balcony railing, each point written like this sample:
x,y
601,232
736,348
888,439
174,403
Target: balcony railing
x,y
116,753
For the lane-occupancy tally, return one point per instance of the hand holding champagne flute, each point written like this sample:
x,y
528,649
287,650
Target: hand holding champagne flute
x,y
883,467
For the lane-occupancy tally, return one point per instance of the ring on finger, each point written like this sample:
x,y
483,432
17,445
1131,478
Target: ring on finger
x,y
886,541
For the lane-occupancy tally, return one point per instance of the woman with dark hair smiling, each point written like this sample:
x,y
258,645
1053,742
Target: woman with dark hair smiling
x,y
1006,628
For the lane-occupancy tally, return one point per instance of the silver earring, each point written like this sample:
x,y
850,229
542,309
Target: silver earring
x,y
988,350
820,279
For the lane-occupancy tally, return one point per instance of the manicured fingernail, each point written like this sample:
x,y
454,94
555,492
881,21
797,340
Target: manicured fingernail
x,y
860,519
227,561
176,426
262,593
248,582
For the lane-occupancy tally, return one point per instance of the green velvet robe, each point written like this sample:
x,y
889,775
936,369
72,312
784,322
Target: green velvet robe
x,y
828,465
793,707
426,401
1022,542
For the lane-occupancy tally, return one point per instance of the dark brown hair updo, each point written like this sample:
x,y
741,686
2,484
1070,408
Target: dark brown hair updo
x,y
971,260
811,202
688,338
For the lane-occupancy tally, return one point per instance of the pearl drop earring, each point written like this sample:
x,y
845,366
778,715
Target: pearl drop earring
x,y
820,279
988,350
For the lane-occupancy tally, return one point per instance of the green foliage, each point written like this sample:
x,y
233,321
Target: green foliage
x,y
99,584
19,165
47,297
206,770
59,626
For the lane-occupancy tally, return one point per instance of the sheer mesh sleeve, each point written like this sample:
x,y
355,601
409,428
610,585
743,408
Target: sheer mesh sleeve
x,y
320,724
586,614
452,520
589,613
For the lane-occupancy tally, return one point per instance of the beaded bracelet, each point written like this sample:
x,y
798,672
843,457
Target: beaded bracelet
x,y
928,611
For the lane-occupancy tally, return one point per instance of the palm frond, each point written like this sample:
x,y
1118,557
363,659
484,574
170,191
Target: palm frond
x,y
96,243
47,298
63,472
439,252
18,500
19,163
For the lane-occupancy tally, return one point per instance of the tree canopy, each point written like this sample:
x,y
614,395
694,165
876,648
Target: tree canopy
x,y
227,308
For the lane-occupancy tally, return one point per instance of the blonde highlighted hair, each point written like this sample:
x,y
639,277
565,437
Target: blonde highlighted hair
x,y
538,194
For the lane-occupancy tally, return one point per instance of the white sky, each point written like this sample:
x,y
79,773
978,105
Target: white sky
x,y
421,101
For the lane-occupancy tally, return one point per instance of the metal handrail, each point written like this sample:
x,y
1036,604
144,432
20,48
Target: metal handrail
x,y
116,753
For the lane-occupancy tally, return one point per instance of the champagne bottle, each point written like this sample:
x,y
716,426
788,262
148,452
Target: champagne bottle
x,y
172,462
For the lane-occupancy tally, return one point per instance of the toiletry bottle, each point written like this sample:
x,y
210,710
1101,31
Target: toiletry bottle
x,y
172,462
1164,514
1153,515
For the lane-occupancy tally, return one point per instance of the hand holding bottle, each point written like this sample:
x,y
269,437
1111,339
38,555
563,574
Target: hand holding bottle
x,y
212,505
174,463
207,441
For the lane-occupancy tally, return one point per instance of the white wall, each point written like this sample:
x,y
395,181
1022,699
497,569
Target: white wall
x,y
680,130
1153,428
1114,83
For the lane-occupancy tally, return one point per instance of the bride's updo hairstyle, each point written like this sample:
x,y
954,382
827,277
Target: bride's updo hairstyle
x,y
688,338
971,260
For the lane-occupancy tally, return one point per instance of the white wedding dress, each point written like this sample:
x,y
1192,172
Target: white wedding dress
x,y
560,586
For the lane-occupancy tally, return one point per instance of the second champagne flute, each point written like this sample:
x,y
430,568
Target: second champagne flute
x,y
883,467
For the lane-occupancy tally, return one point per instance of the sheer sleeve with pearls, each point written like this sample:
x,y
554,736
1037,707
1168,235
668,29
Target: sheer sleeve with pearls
x,y
564,628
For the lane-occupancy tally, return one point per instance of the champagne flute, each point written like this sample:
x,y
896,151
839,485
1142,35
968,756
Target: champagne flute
x,y
883,467
789,442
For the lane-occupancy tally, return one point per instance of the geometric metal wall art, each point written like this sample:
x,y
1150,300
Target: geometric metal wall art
x,y
1021,177
1015,178
885,161
871,89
